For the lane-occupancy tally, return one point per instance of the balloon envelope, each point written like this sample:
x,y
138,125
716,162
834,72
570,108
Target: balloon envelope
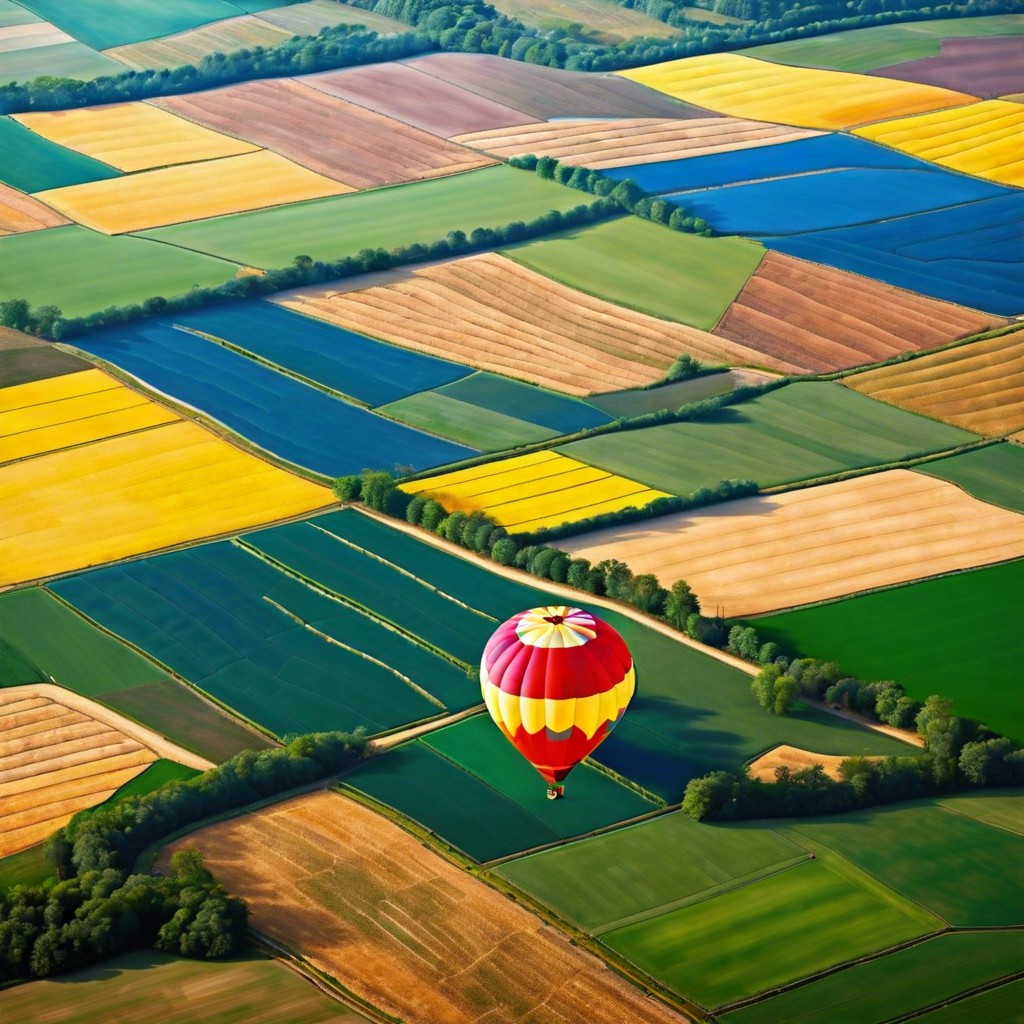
x,y
556,681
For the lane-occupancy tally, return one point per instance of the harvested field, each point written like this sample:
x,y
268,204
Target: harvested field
x,y
19,213
622,143
490,312
132,136
190,47
855,535
306,19
821,319
55,761
191,192
404,929
985,67
795,759
979,386
344,141
532,491
70,410
746,87
982,139
123,506
549,92
402,92
603,21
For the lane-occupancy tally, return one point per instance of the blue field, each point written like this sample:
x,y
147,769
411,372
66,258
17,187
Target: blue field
x,y
367,370
292,420
971,255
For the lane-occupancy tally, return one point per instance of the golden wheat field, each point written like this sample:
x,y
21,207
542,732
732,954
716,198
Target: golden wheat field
x,y
983,139
404,929
171,195
492,313
532,491
19,213
132,136
979,386
55,761
619,143
795,759
61,412
782,550
809,97
136,493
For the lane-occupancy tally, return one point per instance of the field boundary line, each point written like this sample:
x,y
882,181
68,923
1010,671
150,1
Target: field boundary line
x,y
982,821
85,444
1007,979
406,733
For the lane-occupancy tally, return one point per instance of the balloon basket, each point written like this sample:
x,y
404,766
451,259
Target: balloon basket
x,y
556,792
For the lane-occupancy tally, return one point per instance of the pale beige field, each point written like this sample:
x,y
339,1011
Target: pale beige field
x,y
619,143
19,213
494,314
602,20
191,192
55,761
402,928
132,136
979,387
795,759
777,551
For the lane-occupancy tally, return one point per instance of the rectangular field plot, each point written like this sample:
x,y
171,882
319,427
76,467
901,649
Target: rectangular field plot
x,y
745,87
795,433
980,139
70,410
896,984
979,387
132,136
966,254
595,883
349,363
171,195
61,59
122,505
31,163
774,930
532,491
911,644
855,535
292,420
994,474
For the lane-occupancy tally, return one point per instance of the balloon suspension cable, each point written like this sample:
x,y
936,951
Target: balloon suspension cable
x,y
556,792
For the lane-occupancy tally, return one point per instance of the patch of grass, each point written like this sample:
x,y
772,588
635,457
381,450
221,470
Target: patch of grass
x,y
156,775
29,867
667,396
994,474
997,1006
63,60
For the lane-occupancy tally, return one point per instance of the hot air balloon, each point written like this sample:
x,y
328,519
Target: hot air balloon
x,y
556,681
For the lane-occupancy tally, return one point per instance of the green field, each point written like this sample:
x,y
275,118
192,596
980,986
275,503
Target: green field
x,y
30,867
998,1006
994,474
647,267
153,988
893,985
159,773
382,218
62,60
1001,808
668,396
773,931
794,433
931,637
919,848
45,267
595,882
15,668
32,164
864,49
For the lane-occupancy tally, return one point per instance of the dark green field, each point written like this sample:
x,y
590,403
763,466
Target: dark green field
x,y
931,637
25,360
795,433
155,776
998,1006
994,474
668,396
1002,808
33,164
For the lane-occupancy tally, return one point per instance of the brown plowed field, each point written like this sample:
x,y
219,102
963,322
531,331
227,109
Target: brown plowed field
x,y
781,550
979,387
795,759
402,928
822,319
986,67
550,92
494,314
328,135
55,761
619,143
407,94
19,212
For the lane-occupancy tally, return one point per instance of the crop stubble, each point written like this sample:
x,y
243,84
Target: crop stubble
x,y
19,213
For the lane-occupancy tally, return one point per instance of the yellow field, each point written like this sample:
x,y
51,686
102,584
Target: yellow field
x,y
133,136
154,198
979,387
533,491
137,493
747,87
48,415
983,139
782,550
795,759
54,762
